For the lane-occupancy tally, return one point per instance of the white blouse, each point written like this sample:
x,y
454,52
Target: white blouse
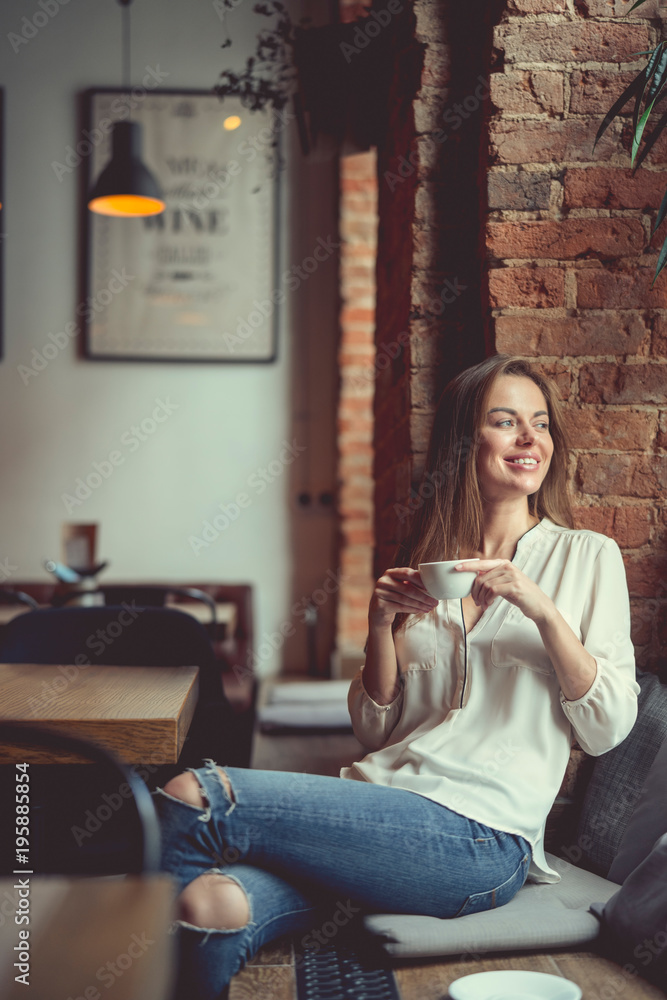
x,y
480,723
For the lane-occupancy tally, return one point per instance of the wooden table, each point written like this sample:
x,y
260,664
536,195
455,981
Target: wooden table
x,y
89,938
137,712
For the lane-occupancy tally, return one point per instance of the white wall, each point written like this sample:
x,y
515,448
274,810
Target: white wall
x,y
230,419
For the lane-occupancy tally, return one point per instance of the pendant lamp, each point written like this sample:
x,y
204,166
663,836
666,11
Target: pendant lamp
x,y
126,187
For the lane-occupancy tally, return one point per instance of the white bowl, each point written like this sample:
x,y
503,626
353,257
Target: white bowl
x,y
443,582
514,984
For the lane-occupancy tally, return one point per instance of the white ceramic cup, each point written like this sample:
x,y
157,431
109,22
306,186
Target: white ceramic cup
x,y
444,582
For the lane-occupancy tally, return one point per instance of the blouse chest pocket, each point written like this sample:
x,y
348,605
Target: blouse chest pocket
x,y
518,643
416,645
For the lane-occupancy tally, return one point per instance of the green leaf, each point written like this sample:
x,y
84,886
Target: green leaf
x,y
650,142
662,212
660,76
637,84
648,73
635,5
637,137
662,260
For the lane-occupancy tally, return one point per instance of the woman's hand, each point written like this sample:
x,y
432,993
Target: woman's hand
x,y
501,578
399,590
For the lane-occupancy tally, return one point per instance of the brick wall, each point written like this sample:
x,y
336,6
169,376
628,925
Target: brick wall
x,y
570,268
358,228
431,280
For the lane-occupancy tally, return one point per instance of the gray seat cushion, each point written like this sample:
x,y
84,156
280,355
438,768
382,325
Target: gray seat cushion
x,y
617,780
540,915
648,821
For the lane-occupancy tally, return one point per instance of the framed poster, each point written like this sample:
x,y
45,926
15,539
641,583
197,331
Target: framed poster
x,y
3,235
199,282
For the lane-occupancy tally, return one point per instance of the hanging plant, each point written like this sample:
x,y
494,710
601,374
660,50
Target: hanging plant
x,y
647,90
269,77
336,76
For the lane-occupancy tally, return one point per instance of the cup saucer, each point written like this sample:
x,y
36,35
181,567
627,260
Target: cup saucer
x,y
511,984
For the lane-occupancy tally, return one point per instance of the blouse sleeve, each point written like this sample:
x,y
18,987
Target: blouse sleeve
x,y
604,716
372,723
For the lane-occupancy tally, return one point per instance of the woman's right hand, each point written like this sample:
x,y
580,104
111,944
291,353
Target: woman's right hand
x,y
399,590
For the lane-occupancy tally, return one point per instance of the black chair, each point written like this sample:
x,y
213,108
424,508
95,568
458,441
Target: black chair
x,y
133,636
53,846
145,595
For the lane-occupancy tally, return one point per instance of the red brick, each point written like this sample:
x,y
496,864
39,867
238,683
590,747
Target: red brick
x,y
520,190
551,141
352,315
530,287
646,574
662,435
560,373
605,382
568,239
610,187
652,8
606,333
594,8
361,165
437,71
611,289
570,42
630,527
526,92
622,475
536,6
659,341
621,430
593,91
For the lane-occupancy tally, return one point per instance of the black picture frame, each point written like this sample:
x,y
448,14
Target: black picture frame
x,y
200,283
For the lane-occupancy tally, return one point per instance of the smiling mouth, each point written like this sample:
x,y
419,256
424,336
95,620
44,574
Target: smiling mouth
x,y
529,463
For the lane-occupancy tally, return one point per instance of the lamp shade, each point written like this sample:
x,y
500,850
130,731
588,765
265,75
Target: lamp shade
x,y
125,187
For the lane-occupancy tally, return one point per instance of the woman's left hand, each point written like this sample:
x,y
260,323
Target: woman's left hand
x,y
501,578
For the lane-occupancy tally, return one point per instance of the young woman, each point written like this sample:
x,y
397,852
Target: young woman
x,y
468,707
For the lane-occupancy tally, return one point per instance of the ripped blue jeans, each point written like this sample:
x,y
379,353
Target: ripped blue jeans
x,y
312,852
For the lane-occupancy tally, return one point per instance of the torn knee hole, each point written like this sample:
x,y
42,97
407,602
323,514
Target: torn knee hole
x,y
227,783
214,902
186,787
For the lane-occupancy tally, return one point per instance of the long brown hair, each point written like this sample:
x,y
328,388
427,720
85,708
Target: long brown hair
x,y
447,516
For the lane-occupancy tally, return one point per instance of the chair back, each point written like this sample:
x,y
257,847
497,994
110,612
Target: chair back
x,y
123,635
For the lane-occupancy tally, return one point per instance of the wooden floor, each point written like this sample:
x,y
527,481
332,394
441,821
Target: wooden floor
x,y
270,975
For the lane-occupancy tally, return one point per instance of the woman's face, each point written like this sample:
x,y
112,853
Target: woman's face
x,y
515,443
